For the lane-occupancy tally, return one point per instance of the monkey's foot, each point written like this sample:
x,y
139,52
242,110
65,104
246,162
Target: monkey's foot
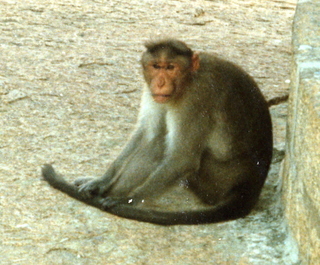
x,y
110,202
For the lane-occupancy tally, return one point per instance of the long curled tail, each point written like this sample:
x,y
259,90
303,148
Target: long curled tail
x,y
222,212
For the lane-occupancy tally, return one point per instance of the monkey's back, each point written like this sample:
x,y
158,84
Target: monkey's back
x,y
237,101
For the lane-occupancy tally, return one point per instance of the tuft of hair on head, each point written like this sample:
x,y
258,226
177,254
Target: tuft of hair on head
x,y
173,46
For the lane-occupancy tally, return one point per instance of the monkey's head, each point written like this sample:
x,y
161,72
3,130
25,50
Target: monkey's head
x,y
167,67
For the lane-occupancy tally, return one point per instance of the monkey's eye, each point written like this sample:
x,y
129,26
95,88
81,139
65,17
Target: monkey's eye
x,y
170,67
156,66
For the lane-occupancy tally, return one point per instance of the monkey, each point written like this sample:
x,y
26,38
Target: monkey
x,y
202,120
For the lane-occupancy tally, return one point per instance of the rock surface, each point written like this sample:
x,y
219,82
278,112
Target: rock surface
x,y
70,86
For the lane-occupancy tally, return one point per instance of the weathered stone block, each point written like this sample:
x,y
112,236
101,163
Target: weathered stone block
x,y
302,163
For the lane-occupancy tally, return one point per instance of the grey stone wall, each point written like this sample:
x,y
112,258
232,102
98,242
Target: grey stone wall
x,y
301,170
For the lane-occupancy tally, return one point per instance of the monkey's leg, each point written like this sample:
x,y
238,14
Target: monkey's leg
x,y
236,183
155,184
180,159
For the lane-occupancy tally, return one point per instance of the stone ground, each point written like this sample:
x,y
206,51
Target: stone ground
x,y
69,94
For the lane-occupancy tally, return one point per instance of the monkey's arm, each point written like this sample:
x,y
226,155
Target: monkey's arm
x,y
149,131
102,184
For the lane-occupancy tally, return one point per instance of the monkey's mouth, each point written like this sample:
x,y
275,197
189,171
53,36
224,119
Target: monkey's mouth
x,y
160,98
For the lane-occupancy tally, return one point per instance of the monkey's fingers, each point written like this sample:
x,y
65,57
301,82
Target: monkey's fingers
x,y
90,189
81,181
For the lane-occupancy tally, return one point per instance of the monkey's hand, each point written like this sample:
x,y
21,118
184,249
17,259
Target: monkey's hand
x,y
93,188
81,181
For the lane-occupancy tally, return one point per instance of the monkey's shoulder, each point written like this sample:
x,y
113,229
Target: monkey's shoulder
x,y
214,63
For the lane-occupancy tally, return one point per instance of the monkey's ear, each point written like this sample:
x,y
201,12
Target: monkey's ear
x,y
195,62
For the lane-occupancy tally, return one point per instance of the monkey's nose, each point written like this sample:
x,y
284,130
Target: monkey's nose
x,y
161,82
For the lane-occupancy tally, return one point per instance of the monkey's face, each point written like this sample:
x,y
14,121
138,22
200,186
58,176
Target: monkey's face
x,y
168,73
166,76
163,79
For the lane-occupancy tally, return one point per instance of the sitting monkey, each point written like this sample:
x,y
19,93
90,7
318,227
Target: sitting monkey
x,y
202,120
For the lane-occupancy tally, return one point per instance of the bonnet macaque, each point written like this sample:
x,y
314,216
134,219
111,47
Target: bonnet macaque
x,y
202,120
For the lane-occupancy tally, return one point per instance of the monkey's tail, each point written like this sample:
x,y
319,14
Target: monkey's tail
x,y
211,215
277,100
223,212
